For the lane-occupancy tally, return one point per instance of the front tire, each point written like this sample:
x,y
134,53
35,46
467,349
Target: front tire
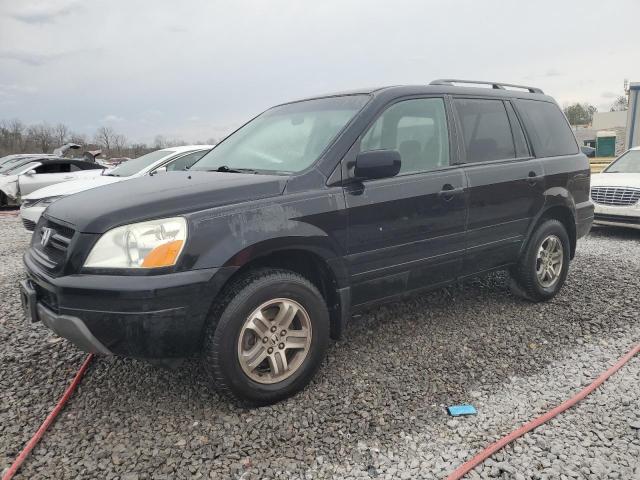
x,y
543,267
266,337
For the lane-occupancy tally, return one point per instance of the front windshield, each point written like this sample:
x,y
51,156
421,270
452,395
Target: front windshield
x,y
131,167
8,157
284,139
627,163
10,165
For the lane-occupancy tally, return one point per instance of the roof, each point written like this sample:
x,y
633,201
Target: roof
x,y
446,86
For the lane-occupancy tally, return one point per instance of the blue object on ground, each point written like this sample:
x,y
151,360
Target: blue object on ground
x,y
459,410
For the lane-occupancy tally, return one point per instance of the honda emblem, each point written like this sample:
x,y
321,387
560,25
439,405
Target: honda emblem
x,y
46,236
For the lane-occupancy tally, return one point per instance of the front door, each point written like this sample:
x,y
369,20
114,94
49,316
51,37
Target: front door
x,y
46,174
505,184
406,232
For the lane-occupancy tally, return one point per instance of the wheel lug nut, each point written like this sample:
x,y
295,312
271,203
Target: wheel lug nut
x,y
281,346
270,350
273,329
265,340
283,333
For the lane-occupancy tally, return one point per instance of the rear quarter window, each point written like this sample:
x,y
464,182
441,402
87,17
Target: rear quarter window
x,y
548,129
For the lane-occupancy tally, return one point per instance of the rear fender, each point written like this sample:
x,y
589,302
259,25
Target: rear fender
x,y
555,198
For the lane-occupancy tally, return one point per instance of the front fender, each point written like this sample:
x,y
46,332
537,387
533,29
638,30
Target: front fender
x,y
233,237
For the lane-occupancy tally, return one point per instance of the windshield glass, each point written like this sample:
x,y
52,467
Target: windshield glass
x,y
627,163
131,167
15,163
9,157
288,138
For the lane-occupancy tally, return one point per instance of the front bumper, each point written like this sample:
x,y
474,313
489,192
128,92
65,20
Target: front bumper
x,y
628,217
155,316
584,218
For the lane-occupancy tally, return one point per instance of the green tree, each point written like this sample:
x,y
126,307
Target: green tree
x,y
580,113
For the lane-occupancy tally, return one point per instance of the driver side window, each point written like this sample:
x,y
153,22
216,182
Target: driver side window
x,y
417,129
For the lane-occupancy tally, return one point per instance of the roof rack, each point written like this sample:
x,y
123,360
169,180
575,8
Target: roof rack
x,y
496,85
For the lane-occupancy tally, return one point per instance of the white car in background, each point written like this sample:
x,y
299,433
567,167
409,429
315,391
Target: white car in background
x,y
616,192
168,159
24,174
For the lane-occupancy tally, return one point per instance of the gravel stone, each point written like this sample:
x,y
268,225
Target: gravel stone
x,y
377,407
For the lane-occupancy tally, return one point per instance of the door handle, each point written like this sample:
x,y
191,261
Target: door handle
x,y
534,178
449,191
69,177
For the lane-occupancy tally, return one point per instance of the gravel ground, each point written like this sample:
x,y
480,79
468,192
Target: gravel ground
x,y
376,409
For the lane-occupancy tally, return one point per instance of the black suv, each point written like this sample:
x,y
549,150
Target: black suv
x,y
260,253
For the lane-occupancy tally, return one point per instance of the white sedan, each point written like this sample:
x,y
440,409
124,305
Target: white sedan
x,y
25,174
174,158
616,192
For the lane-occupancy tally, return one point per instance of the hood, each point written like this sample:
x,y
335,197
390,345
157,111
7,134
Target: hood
x,y
162,195
72,186
615,180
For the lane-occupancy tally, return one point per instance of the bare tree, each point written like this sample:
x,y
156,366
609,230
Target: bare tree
x,y
159,142
105,137
16,134
42,137
79,138
119,143
61,133
620,104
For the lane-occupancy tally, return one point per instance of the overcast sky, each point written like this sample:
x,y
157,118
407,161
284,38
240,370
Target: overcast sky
x,y
195,69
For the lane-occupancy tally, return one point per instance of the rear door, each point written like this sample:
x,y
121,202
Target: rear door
x,y
406,232
505,183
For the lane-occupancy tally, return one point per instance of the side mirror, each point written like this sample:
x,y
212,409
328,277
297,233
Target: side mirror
x,y
160,170
377,164
30,172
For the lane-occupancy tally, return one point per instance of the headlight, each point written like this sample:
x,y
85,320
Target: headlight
x,y
152,244
45,202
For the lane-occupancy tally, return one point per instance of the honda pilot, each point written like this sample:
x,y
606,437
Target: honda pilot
x,y
259,254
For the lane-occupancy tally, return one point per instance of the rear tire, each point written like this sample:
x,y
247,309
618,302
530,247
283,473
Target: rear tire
x,y
543,266
266,336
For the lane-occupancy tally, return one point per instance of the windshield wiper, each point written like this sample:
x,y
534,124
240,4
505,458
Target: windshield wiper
x,y
227,169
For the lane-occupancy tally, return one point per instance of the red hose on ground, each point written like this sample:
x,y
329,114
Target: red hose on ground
x,y
48,421
466,467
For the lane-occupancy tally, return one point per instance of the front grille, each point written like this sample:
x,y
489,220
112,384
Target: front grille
x,y
29,225
615,196
52,253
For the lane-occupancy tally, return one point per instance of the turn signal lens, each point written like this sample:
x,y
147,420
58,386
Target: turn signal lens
x,y
163,256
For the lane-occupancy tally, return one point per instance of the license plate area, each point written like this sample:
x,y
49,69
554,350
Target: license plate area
x,y
29,300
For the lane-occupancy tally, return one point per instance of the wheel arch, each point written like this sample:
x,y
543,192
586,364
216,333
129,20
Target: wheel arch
x,y
565,215
319,264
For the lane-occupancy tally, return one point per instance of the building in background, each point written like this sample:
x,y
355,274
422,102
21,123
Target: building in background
x,y
607,133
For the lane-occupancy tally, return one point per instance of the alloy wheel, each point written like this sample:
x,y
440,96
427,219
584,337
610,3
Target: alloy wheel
x,y
274,341
549,261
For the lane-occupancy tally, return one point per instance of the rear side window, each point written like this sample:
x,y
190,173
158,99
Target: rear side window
x,y
486,131
548,130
